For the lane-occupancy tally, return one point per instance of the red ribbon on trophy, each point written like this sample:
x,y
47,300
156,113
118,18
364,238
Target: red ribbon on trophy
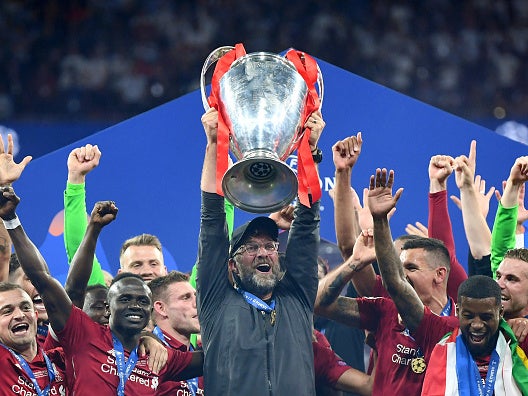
x,y
306,171
222,140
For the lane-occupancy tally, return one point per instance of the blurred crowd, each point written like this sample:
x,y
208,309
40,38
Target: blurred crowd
x,y
112,59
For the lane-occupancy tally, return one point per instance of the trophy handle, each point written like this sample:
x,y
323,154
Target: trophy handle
x,y
320,84
212,58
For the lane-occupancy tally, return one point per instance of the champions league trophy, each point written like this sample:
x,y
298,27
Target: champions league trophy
x,y
261,98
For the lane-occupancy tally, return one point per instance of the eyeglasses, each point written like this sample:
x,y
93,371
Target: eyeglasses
x,y
252,248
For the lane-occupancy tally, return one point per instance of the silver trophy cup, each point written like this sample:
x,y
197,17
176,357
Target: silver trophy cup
x,y
262,98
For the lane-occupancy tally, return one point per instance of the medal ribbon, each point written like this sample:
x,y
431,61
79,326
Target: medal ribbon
x,y
42,330
123,369
192,383
469,380
25,366
158,333
446,311
256,302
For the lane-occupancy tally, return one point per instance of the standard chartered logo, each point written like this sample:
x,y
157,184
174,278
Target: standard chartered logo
x,y
138,376
403,355
25,387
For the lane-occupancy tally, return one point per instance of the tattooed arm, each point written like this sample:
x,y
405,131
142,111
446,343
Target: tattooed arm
x,y
381,201
329,303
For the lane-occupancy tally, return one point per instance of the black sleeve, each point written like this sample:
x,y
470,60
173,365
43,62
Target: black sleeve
x,y
479,267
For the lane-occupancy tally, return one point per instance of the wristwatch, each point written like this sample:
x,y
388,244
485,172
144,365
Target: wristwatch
x,y
317,155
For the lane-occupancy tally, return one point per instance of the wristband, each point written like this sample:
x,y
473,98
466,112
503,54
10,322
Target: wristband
x,y
317,155
11,224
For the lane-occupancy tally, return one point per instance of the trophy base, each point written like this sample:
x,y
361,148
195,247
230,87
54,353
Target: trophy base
x,y
260,185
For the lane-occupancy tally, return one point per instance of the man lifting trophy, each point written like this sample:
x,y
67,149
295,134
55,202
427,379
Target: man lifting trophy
x,y
263,101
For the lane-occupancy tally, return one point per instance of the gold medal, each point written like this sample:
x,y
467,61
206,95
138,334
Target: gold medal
x,y
418,365
273,314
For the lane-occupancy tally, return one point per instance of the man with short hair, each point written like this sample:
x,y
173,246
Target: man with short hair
x,y
142,255
479,312
96,304
26,368
509,267
426,263
104,358
18,277
512,277
176,318
91,299
481,356
255,315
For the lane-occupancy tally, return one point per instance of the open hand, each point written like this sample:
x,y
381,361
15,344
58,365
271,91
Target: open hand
x,y
9,169
380,198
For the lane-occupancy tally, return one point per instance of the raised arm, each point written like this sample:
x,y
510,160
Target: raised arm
x,y
57,302
439,224
381,202
348,213
81,161
522,216
9,172
230,220
210,124
329,302
518,176
477,231
503,233
213,246
208,179
9,169
302,248
345,155
103,213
